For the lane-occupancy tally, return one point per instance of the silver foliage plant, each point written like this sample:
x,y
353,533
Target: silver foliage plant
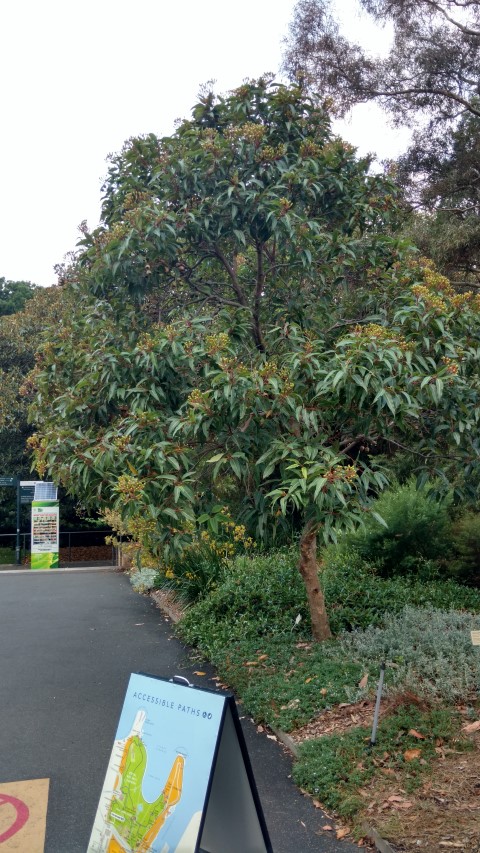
x,y
427,651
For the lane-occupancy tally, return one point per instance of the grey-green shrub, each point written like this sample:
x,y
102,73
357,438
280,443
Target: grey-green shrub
x,y
143,580
427,650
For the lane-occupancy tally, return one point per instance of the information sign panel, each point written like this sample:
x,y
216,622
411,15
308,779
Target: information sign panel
x,y
179,778
45,535
27,494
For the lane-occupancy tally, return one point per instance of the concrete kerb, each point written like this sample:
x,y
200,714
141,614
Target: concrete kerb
x,y
11,570
173,613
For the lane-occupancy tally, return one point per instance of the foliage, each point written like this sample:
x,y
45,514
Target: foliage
x,y
334,767
258,596
466,543
154,419
143,580
7,555
440,175
21,333
427,651
428,79
253,205
416,529
262,595
432,64
14,295
357,597
201,565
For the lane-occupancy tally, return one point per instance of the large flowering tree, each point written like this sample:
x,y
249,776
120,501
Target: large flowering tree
x,y
245,329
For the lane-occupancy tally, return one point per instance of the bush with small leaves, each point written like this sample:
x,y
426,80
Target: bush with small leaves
x,y
427,651
417,529
143,580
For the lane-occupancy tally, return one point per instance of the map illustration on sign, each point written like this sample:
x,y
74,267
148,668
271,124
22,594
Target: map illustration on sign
x,y
155,789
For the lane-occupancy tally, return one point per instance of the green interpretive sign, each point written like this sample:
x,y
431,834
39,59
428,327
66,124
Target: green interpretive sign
x,y
179,778
45,535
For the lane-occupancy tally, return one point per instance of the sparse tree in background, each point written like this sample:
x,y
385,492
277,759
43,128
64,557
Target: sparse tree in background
x,y
428,80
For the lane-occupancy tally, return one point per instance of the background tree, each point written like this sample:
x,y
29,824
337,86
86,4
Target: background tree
x,y
428,80
14,295
21,334
431,67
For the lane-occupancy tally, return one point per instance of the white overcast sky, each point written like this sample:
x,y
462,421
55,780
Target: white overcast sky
x,y
80,78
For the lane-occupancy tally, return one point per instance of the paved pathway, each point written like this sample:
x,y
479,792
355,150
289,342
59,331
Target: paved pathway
x,y
68,644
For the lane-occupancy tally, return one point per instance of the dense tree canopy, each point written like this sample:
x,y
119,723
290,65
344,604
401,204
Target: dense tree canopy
x,y
252,204
297,343
14,295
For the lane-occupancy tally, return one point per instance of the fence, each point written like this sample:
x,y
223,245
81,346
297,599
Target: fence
x,y
69,540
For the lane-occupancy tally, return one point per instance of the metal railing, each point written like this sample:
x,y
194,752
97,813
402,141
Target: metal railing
x,y
68,540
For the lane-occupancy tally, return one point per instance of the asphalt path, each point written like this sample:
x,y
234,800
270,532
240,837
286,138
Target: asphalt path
x,y
69,642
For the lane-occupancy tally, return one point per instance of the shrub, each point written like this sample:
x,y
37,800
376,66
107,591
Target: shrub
x,y
357,597
427,651
196,571
466,542
417,530
258,595
143,580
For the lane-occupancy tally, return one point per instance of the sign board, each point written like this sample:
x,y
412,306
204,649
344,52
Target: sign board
x,y
475,635
179,778
8,481
27,494
45,535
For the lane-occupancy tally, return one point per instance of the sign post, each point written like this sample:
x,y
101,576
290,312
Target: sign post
x,y
14,482
179,777
45,535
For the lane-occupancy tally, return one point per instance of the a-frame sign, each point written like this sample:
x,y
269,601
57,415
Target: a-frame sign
x,y
179,779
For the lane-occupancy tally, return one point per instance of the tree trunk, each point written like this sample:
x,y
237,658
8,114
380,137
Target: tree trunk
x,y
308,568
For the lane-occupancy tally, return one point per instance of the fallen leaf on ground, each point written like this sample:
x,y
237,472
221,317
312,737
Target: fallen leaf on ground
x,y
262,657
199,673
412,754
342,833
251,663
471,727
363,682
327,828
416,734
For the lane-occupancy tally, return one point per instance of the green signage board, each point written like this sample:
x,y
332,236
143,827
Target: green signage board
x,y
45,535
179,778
